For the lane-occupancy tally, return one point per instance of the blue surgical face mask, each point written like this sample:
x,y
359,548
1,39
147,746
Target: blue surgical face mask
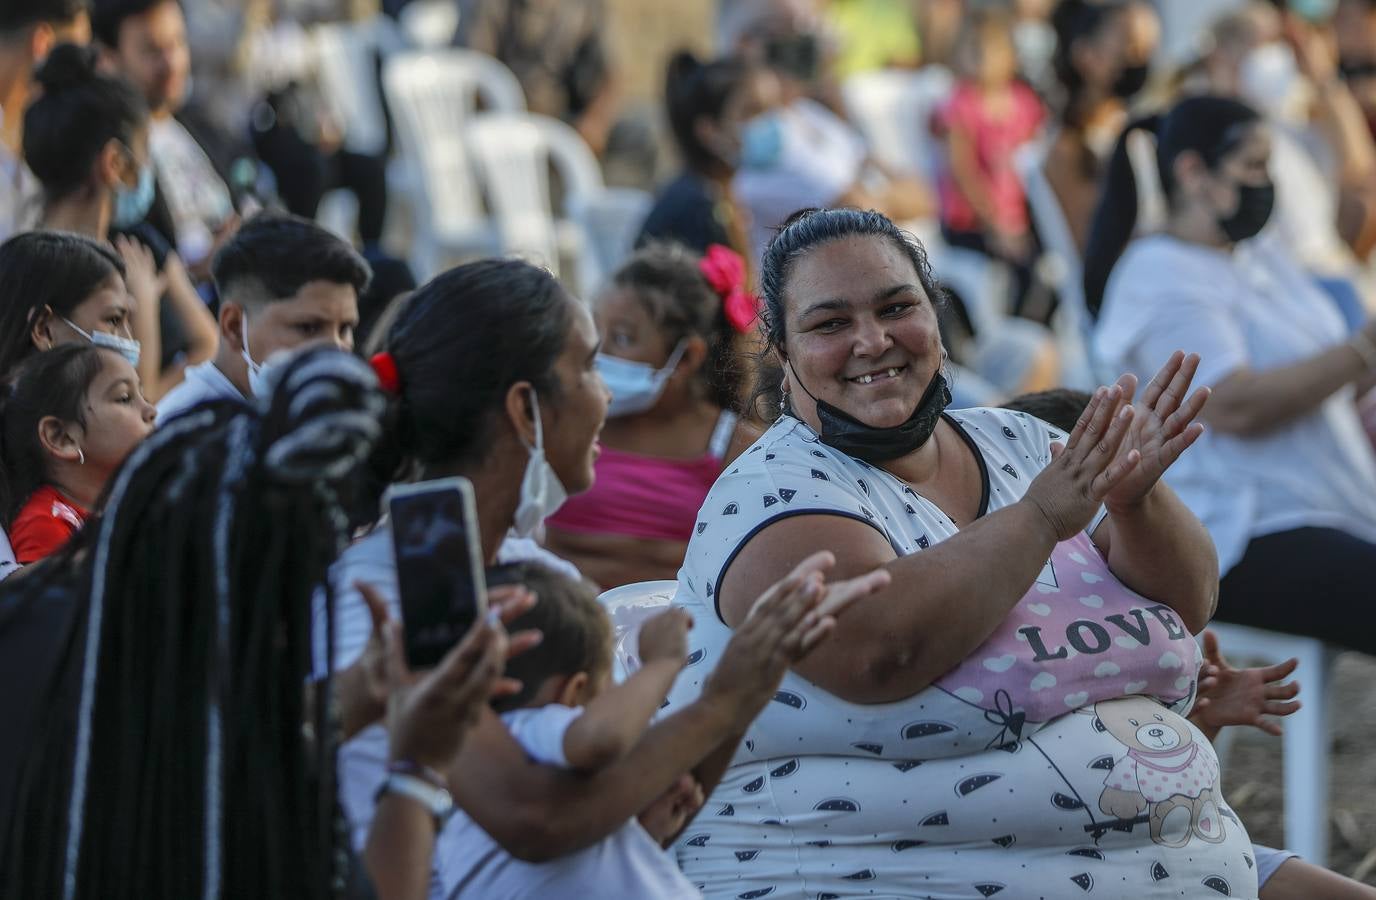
x,y
636,386
132,204
128,348
258,384
762,142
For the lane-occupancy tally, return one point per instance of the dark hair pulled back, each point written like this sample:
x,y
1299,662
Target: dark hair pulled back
x,y
808,228
695,89
463,340
79,111
40,270
1211,127
667,281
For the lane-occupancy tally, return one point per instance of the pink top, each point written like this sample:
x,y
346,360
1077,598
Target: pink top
x,y
995,137
646,496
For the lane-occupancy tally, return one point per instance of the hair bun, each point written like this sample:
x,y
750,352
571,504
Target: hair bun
x,y
324,416
68,66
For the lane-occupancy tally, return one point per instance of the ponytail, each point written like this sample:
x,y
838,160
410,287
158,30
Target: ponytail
x,y
1210,127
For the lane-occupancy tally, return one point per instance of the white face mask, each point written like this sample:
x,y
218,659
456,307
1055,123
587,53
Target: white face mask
x,y
1270,80
636,386
128,348
257,372
541,491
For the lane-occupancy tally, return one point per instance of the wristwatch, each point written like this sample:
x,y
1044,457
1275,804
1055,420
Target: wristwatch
x,y
433,798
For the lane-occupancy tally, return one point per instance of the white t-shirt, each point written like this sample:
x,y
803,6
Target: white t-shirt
x,y
371,560
1253,308
627,864
996,778
196,195
20,195
201,383
820,157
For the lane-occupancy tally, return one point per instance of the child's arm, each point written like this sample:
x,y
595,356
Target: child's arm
x,y
614,721
1229,696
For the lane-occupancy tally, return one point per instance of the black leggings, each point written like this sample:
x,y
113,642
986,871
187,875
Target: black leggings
x,y
1317,582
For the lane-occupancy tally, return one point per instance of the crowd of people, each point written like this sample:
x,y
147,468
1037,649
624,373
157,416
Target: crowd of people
x,y
938,613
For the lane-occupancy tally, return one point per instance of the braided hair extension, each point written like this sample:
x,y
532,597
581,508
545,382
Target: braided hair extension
x,y
176,762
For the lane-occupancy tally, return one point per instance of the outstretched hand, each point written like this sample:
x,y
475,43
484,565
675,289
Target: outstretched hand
x,y
1163,427
1229,696
786,623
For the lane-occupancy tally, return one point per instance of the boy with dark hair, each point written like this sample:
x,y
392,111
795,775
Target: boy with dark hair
x,y
29,29
284,283
569,714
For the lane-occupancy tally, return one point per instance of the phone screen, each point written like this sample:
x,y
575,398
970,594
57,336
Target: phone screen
x,y
434,534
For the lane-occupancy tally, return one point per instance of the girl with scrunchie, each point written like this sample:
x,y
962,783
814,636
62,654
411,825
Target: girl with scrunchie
x,y
669,324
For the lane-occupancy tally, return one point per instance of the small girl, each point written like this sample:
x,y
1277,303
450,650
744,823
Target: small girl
x,y
569,714
990,114
70,417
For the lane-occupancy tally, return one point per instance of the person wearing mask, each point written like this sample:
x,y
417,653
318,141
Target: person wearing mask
x,y
70,417
145,42
228,784
493,371
669,321
801,153
708,105
29,29
1284,471
1101,61
963,731
86,139
284,283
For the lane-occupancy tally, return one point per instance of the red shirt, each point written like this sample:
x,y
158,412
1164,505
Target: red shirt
x,y
46,522
995,135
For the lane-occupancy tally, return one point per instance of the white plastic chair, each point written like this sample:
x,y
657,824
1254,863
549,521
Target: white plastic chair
x,y
629,606
612,221
513,154
893,110
1306,739
430,24
433,95
1073,325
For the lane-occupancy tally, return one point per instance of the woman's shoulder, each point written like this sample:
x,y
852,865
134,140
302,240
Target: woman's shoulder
x,y
1165,270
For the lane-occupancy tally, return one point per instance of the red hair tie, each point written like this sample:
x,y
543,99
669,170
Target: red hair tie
x,y
725,272
385,367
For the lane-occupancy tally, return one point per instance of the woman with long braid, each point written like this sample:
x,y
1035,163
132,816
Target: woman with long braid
x,y
166,747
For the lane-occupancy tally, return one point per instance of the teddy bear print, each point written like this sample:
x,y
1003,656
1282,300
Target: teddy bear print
x,y
1166,774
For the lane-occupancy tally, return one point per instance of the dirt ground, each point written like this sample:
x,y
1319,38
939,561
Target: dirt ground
x,y
1255,787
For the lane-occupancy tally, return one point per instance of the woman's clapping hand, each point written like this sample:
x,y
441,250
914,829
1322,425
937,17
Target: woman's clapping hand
x,y
1163,427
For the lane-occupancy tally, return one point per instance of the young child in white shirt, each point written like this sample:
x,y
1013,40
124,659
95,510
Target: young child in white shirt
x,y
568,714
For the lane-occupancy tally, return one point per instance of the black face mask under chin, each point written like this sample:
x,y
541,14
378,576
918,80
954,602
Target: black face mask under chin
x,y
852,437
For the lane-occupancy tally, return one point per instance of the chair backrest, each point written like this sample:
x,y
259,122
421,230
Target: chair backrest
x,y
893,110
430,24
629,606
513,153
612,222
433,95
347,55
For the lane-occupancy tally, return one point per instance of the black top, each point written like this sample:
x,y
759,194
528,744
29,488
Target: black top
x,y
686,211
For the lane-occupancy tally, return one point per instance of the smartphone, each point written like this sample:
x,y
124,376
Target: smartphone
x,y
439,565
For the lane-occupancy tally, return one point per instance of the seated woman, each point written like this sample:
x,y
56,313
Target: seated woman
x,y
1005,713
669,323
86,138
70,418
708,105
1285,472
493,368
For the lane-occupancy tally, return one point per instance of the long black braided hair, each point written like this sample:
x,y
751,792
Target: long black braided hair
x,y
175,759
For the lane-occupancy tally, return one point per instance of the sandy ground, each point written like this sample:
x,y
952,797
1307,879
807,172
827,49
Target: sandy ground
x,y
1255,788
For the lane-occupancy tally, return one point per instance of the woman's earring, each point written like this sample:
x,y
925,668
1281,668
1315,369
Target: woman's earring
x,y
80,456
